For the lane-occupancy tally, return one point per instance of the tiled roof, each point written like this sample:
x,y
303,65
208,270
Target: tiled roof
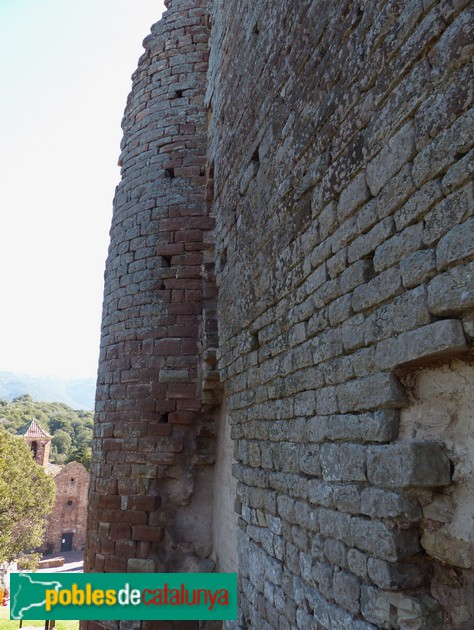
x,y
33,430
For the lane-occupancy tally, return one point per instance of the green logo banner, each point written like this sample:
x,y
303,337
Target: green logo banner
x,y
136,596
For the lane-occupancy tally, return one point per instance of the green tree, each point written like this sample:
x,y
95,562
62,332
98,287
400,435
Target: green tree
x,y
26,499
82,455
62,441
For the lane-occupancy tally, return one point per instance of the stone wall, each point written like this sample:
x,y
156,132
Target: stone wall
x,y
70,508
340,135
338,159
155,427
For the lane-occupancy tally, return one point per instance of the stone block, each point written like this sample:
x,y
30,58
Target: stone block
x,y
353,196
335,524
460,172
330,462
441,339
137,565
356,274
389,610
322,574
379,390
396,153
347,498
353,462
418,205
340,310
346,590
457,244
380,426
404,464
452,292
326,401
386,285
446,548
309,459
383,542
448,213
320,492
352,332
418,267
357,562
398,247
382,504
335,552
367,242
441,152
400,575
337,263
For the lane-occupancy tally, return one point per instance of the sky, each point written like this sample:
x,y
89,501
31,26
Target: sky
x,y
65,71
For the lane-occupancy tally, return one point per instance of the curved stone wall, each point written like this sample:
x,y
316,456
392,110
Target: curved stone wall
x,y
342,137
154,434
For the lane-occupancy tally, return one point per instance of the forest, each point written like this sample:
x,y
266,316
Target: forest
x,y
71,429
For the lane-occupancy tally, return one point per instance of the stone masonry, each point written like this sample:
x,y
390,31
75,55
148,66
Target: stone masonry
x,y
70,509
339,172
154,430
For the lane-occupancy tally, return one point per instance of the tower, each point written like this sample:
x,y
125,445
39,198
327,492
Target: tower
x,y
39,442
155,429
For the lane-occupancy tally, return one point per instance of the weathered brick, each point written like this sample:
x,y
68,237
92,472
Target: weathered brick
x,y
384,286
346,590
418,267
457,244
408,464
396,248
397,152
452,292
380,390
441,339
376,538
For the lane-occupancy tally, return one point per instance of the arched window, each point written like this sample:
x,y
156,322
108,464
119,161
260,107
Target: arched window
x,y
34,448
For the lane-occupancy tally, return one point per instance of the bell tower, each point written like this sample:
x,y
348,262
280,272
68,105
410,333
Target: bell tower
x,y
39,441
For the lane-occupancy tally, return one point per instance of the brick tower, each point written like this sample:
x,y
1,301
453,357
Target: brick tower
x,y
39,441
154,434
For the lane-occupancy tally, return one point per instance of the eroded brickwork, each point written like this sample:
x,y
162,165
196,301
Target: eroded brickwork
x,y
340,137
154,433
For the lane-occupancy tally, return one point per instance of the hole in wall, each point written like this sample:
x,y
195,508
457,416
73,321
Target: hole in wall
x,y
202,171
169,172
178,94
166,261
256,29
164,418
255,157
458,155
254,342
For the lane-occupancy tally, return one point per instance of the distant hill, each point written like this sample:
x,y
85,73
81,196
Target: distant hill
x,y
78,393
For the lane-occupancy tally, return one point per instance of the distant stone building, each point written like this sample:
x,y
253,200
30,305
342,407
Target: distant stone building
x,y
67,524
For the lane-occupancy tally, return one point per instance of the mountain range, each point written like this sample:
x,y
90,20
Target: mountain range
x,y
78,393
